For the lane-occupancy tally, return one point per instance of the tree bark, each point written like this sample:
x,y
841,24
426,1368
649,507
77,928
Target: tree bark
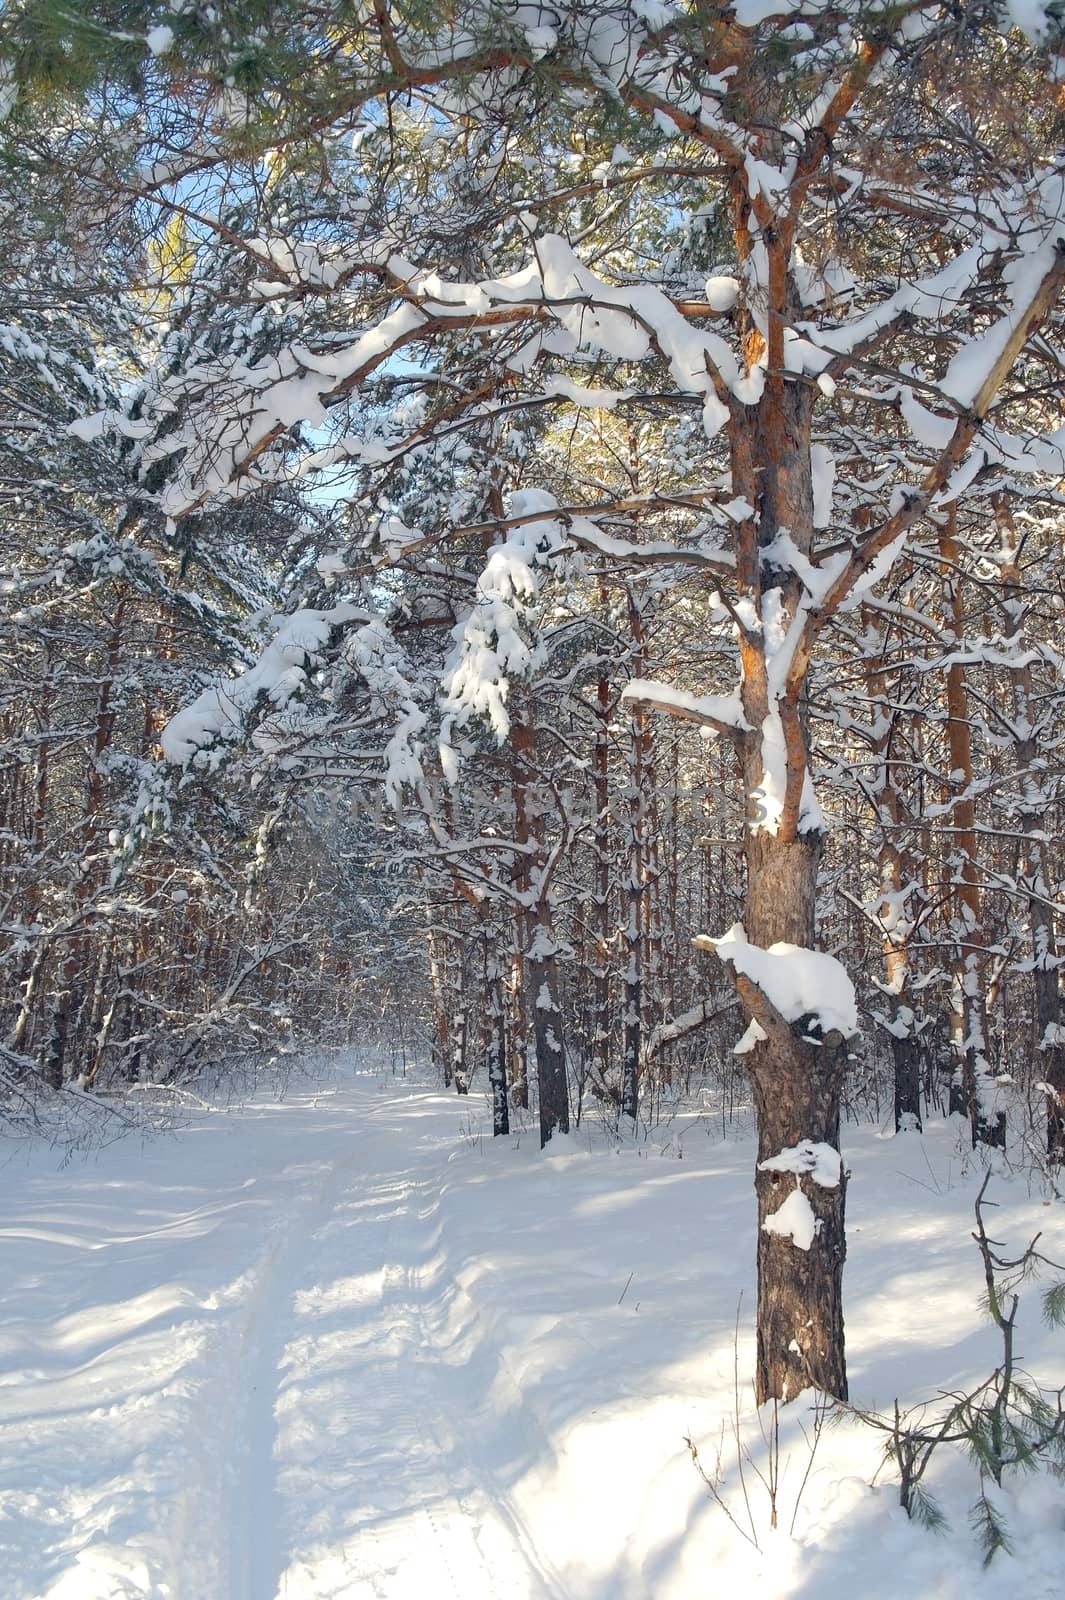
x,y
497,1048
797,1080
897,881
1034,877
552,1089
797,1086
973,1084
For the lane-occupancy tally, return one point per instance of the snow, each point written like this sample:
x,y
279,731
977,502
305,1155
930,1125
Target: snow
x,y
101,422
794,1220
330,566
749,13
821,1161
823,468
970,366
543,945
926,426
540,41
582,395
8,90
1031,16
159,39
715,416
199,733
796,981
753,1034
722,293
489,646
714,708
876,572
817,579
343,1344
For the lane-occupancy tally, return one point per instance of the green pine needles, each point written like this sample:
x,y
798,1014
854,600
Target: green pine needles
x,y
1007,1422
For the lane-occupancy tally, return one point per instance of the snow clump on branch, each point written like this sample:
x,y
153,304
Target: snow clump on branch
x,y
796,982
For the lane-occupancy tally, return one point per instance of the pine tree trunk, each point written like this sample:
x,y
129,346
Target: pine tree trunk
x,y
603,881
494,1028
972,1089
497,1049
897,882
1034,877
522,746
635,909
440,1042
797,1084
518,1067
552,1088
907,1062
797,1090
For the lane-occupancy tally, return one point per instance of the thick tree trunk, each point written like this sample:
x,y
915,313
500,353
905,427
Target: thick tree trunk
x,y
797,1087
797,1082
800,1291
522,745
630,1049
907,1061
460,1050
518,1069
56,1049
635,911
440,1043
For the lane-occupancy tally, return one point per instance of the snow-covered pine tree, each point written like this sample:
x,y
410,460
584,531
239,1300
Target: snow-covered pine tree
x,y
761,215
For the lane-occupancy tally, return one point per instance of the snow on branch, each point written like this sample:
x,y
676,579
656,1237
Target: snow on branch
x,y
721,712
796,982
979,370
233,413
1033,280
490,647
584,534
666,1033
200,733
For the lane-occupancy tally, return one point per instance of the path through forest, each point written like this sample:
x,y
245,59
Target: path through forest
x,y
343,1346
366,1469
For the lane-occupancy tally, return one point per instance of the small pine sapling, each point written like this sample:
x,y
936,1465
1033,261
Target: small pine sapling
x,y
1008,1421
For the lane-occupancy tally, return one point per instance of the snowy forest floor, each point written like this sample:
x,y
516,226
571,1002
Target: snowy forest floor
x,y
342,1345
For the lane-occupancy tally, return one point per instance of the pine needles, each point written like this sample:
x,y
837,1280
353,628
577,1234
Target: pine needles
x,y
1007,1422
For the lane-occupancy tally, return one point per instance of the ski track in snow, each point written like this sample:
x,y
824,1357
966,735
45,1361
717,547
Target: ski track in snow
x,y
293,1381
339,1347
353,1479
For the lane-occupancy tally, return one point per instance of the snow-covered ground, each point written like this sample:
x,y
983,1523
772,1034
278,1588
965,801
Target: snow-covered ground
x,y
343,1346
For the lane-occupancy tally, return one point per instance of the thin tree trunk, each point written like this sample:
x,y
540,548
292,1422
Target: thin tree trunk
x,y
541,968
1034,877
497,1047
973,1089
603,880
897,881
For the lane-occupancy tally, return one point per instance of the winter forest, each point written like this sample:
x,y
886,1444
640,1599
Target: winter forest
x,y
531,614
